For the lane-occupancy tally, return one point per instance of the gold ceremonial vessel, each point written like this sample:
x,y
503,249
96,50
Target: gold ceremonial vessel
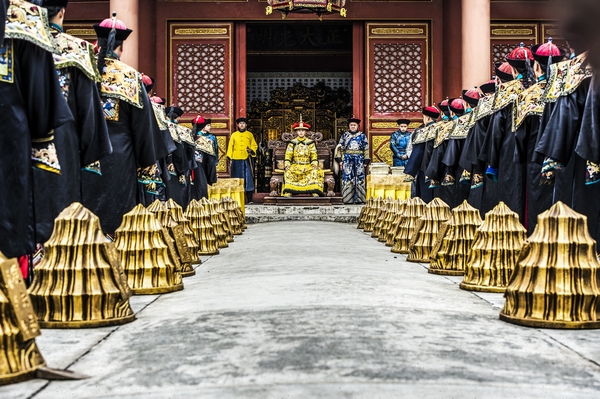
x,y
202,228
413,210
426,232
394,227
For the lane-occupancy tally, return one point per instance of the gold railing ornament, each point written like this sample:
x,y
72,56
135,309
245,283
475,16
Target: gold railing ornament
x,y
20,357
437,212
495,251
176,212
234,220
80,282
395,224
215,221
454,242
413,210
177,237
371,217
381,217
555,282
363,213
224,217
144,251
202,228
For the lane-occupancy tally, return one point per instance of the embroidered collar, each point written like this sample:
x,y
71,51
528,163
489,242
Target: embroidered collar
x,y
121,81
565,77
529,103
75,52
26,21
55,27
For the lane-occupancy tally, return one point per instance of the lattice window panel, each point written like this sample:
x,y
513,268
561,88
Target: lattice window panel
x,y
501,50
201,78
260,86
397,80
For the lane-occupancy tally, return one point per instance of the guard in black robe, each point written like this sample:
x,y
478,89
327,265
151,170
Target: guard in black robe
x,y
32,107
204,168
178,161
419,140
78,143
136,139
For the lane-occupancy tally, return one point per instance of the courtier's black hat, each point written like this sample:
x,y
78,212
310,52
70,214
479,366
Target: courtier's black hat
x,y
403,122
431,111
543,52
174,109
353,120
55,3
104,28
241,119
489,87
504,76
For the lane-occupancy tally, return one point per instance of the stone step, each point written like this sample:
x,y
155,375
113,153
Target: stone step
x,y
278,213
340,218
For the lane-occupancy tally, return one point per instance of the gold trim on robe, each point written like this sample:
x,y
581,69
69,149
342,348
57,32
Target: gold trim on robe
x,y
122,82
529,103
26,21
463,125
565,77
78,53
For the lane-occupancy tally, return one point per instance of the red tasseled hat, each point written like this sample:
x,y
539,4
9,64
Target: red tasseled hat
x,y
457,105
301,125
504,71
104,28
431,111
158,100
200,120
548,53
489,87
471,96
518,56
147,80
443,106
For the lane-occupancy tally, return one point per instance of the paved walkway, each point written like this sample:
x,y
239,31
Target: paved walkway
x,y
316,309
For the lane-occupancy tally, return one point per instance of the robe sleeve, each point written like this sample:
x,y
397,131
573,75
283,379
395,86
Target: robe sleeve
x,y
395,150
366,155
94,140
490,151
314,156
409,146
289,155
253,145
149,143
230,145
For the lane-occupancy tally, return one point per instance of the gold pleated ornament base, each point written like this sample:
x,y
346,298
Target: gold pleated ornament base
x,y
234,221
389,219
202,228
240,214
495,251
437,212
19,355
556,281
413,210
80,282
215,221
454,242
381,217
143,247
395,224
224,217
371,216
176,212
363,213
177,238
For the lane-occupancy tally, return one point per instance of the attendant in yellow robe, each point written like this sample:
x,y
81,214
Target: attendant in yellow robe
x,y
240,151
302,173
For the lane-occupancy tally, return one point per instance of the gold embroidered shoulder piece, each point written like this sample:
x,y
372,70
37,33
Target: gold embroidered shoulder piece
x,y
174,131
463,126
185,133
205,144
485,107
421,133
565,77
507,94
78,53
443,133
26,21
528,103
121,81
161,118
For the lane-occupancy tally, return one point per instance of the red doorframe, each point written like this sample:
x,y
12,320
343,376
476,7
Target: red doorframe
x,y
358,72
239,104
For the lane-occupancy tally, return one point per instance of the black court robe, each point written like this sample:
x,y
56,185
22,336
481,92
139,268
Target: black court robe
x,y
451,159
204,173
469,160
32,106
588,143
435,170
78,144
413,168
137,142
498,152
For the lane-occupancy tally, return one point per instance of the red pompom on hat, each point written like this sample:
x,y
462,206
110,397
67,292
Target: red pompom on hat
x,y
471,96
431,111
519,56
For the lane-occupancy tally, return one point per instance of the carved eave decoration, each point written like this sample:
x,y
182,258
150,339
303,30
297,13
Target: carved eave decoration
x,y
318,7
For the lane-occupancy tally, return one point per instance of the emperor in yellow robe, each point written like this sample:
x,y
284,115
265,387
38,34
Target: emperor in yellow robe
x,y
302,173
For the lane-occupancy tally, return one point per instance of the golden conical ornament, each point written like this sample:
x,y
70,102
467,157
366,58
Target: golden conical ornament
x,y
142,245
413,210
220,209
495,251
381,217
234,221
215,221
239,213
371,216
436,213
19,354
395,224
389,219
176,212
177,237
363,213
202,228
80,282
449,254
556,280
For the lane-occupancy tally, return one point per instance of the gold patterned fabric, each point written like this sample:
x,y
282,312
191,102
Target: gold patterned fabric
x,y
302,174
78,53
26,21
529,103
443,132
565,77
463,125
507,93
120,81
161,118
484,108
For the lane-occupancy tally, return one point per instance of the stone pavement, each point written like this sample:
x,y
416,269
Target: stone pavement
x,y
318,310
